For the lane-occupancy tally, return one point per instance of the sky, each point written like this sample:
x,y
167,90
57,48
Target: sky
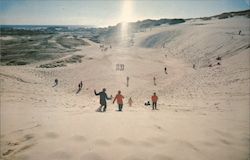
x,y
103,13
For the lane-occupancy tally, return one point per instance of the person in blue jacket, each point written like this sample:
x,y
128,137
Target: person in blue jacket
x,y
103,98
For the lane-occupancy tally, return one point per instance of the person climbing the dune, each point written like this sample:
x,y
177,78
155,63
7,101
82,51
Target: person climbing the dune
x,y
119,98
154,99
103,98
80,85
56,82
165,70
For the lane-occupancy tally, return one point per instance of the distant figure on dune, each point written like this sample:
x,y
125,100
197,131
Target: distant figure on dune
x,y
103,98
166,56
193,66
56,83
154,81
218,58
127,81
165,70
119,98
130,102
239,32
154,99
79,87
110,46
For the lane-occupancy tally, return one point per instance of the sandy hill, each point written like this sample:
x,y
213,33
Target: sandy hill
x,y
203,111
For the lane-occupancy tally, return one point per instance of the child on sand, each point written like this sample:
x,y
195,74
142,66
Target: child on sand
x,y
119,98
130,102
154,99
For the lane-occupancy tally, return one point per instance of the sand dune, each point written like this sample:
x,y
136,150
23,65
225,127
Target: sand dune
x,y
203,113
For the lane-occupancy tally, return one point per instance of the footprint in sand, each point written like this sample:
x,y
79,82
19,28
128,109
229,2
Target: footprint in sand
x,y
158,127
161,157
188,145
133,157
51,135
25,147
17,150
60,155
146,144
79,138
224,134
208,144
28,137
91,156
123,141
13,143
157,140
101,142
22,157
224,141
6,153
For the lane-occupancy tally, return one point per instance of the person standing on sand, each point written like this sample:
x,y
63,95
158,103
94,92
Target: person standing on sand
x,y
119,98
127,81
154,99
130,102
154,81
103,98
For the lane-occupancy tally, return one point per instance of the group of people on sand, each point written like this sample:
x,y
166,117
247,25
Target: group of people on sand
x,y
119,99
103,48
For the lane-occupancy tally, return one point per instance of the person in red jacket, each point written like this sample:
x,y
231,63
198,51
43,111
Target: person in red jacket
x,y
119,98
154,99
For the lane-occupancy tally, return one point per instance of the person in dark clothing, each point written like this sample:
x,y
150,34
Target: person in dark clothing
x,y
165,70
154,81
56,83
127,81
239,32
103,98
80,85
147,103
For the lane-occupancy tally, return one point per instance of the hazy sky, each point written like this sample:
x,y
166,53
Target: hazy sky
x,y
109,12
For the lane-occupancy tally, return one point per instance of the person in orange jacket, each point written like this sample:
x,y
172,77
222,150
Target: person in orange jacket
x,y
119,98
154,99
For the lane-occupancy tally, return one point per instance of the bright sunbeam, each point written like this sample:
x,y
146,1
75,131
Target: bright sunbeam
x,y
126,16
126,11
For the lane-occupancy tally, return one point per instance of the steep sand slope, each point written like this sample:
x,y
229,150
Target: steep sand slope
x,y
203,113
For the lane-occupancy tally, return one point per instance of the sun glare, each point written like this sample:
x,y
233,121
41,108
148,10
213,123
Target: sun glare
x,y
126,16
